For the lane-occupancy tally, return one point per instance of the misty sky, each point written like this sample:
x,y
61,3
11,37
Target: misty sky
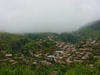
x,y
47,15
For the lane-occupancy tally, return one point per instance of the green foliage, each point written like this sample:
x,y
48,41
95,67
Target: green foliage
x,y
36,36
66,37
56,69
16,70
31,70
82,70
92,30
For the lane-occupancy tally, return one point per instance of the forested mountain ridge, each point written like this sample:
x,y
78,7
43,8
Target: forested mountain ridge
x,y
91,30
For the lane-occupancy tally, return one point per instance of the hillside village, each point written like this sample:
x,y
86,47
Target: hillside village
x,y
69,53
64,53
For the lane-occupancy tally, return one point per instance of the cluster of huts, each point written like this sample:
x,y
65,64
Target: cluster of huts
x,y
68,53
65,53
90,42
12,58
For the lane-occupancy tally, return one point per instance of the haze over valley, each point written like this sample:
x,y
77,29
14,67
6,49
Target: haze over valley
x,y
47,15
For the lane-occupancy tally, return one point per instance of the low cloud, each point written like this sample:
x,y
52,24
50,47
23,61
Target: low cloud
x,y
47,15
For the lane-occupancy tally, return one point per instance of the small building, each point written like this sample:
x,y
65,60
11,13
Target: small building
x,y
84,50
51,56
61,44
8,55
65,46
46,62
11,60
82,53
77,60
59,52
84,57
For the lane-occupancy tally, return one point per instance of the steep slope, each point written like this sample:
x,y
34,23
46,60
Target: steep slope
x,y
92,30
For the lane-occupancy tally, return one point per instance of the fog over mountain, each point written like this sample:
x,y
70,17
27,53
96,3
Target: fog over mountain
x,y
47,15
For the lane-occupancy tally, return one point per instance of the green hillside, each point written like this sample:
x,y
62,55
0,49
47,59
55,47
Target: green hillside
x,y
92,30
74,53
